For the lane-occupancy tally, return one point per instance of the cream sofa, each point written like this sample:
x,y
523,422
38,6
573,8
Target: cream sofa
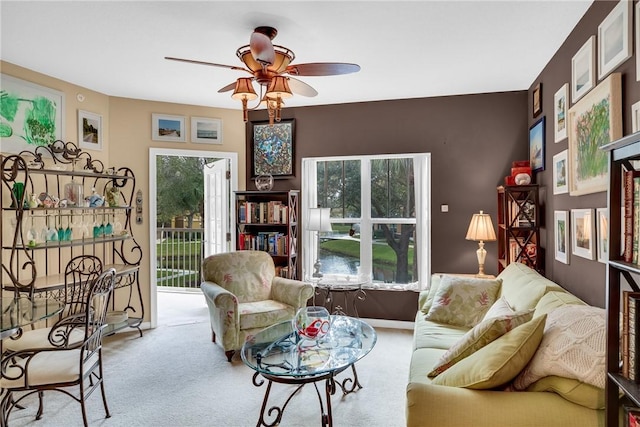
x,y
440,405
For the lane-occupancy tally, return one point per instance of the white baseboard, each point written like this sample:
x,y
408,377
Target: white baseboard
x,y
391,324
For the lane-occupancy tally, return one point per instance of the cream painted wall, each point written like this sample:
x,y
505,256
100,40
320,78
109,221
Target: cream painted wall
x,y
127,139
130,131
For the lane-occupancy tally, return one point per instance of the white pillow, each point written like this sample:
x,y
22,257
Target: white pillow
x,y
573,346
500,308
463,301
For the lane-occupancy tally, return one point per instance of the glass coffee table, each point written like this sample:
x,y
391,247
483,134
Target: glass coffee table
x,y
279,355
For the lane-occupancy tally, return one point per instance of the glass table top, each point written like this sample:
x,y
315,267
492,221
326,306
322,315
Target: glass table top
x,y
279,351
23,311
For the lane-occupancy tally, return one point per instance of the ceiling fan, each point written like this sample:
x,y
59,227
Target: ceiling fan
x,y
270,66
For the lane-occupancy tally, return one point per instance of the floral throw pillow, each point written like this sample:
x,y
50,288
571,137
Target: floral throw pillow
x,y
482,334
463,301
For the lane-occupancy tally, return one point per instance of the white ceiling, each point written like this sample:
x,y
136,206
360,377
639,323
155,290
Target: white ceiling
x,y
410,49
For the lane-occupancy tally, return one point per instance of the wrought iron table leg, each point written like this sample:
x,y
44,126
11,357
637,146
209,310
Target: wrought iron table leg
x,y
354,382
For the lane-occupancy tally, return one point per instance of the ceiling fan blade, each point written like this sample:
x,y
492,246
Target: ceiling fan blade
x,y
261,48
227,88
301,88
193,61
322,69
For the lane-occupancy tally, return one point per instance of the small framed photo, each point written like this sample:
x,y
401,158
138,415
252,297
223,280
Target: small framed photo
x,y
614,38
537,100
560,171
583,69
561,234
560,113
167,128
536,146
583,233
272,148
635,116
602,231
89,130
206,131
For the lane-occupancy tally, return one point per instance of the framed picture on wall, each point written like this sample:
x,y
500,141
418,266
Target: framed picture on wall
x,y
536,145
583,70
560,171
89,130
561,236
272,148
602,231
635,117
26,126
614,38
206,131
537,100
165,127
583,233
589,166
560,101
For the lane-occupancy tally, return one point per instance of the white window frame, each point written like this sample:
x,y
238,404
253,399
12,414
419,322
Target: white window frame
x,y
422,183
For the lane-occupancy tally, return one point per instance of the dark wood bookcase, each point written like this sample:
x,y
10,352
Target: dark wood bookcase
x,y
259,228
623,154
519,226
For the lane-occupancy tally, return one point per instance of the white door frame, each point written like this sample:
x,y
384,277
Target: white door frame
x,y
154,153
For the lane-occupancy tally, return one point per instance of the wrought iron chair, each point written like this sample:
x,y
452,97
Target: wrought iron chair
x,y
244,296
81,270
63,363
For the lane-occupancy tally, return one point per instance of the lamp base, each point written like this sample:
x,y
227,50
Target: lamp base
x,y
316,269
482,254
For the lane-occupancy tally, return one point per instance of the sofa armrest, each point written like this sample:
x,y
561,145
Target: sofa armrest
x,y
434,405
292,292
223,313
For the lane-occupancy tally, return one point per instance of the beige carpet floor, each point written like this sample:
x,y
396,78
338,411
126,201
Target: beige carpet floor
x,y
174,376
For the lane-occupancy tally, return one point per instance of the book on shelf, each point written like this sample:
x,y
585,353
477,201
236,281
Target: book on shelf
x,y
631,416
631,329
631,188
273,212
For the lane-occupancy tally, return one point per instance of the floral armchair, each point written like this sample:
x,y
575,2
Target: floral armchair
x,y
244,296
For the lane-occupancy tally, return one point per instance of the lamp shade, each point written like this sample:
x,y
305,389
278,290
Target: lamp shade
x,y
318,219
244,89
481,228
279,87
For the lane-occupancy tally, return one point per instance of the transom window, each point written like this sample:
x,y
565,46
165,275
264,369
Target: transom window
x,y
379,215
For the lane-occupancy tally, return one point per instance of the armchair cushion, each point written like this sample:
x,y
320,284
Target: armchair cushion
x,y
260,314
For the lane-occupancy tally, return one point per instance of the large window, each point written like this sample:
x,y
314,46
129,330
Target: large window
x,y
379,214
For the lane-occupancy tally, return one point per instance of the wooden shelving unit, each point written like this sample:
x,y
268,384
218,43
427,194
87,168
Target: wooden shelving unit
x,y
259,228
519,226
622,154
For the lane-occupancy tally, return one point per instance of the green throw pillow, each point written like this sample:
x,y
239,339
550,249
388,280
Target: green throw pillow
x,y
499,361
482,334
463,301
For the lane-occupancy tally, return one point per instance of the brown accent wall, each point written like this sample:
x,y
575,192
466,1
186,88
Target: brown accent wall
x,y
585,278
472,140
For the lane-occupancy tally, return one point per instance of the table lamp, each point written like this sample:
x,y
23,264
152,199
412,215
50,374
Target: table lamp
x,y
481,230
318,220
